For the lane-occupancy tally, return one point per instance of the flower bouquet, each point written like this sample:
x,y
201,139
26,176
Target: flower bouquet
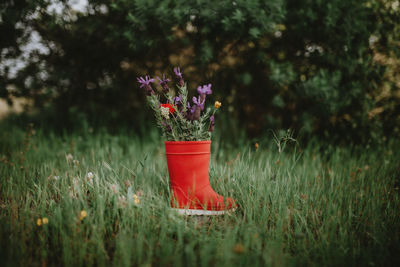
x,y
187,128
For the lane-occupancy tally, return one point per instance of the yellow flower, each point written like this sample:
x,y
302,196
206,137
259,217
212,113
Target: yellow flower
x,y
238,248
136,199
39,222
45,220
256,146
217,104
82,215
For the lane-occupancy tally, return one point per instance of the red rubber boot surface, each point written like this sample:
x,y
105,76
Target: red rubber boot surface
x,y
188,163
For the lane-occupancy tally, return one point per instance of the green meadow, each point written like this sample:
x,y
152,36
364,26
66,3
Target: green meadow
x,y
92,197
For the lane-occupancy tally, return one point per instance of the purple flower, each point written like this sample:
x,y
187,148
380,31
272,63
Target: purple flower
x,y
189,113
164,83
197,107
206,89
203,91
212,124
145,82
198,102
178,74
178,100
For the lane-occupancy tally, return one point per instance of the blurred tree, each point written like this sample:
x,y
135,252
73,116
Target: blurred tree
x,y
310,65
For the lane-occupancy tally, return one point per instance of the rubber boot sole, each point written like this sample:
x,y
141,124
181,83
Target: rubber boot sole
x,y
202,212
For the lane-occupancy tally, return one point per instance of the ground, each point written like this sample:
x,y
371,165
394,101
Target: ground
x,y
95,198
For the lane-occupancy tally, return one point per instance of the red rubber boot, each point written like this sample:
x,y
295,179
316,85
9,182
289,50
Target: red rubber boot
x,y
188,163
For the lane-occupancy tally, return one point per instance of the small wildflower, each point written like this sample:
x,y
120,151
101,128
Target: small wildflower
x,y
178,74
238,248
178,102
136,199
189,114
178,99
45,220
256,145
195,110
39,222
82,215
366,167
145,82
203,91
164,112
217,104
76,162
164,83
198,102
55,178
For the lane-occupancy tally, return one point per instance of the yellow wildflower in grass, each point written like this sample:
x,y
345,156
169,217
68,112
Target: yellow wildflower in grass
x,y
136,199
82,215
39,222
256,146
238,248
217,104
45,220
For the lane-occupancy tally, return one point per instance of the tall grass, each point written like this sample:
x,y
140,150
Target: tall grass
x,y
302,206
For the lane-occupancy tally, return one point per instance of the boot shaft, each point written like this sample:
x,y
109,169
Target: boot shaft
x,y
188,163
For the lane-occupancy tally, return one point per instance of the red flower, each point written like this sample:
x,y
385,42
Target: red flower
x,y
171,107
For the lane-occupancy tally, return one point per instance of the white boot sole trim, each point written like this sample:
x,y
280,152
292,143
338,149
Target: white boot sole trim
x,y
202,212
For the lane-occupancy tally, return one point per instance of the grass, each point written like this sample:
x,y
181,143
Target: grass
x,y
315,205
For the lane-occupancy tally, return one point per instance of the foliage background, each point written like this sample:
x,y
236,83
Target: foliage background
x,y
325,69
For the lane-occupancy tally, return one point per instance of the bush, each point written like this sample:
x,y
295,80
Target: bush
x,y
321,68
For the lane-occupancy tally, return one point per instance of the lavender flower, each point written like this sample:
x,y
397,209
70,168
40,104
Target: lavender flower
x,y
212,124
178,74
178,100
203,91
198,102
197,108
189,113
164,83
146,84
